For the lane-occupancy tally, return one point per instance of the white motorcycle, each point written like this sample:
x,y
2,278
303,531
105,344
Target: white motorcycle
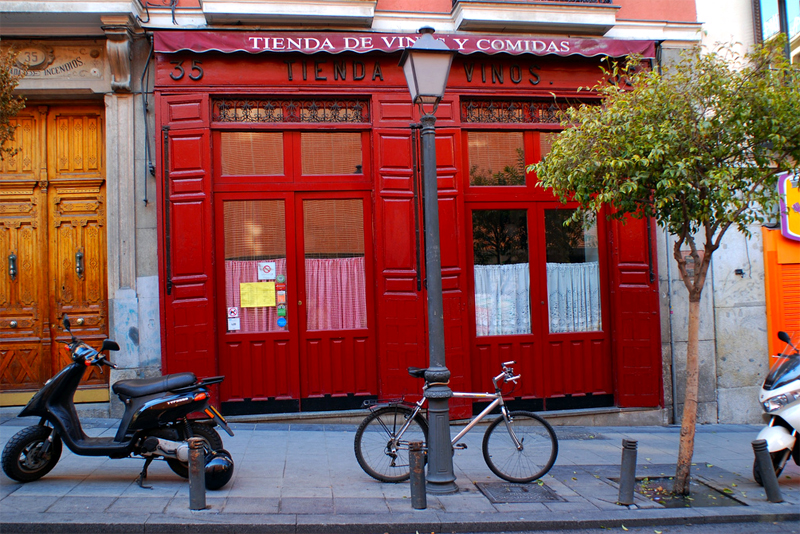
x,y
780,398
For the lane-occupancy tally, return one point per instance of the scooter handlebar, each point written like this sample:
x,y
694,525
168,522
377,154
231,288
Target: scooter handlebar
x,y
107,363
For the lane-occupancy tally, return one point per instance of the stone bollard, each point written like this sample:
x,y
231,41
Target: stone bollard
x,y
764,466
627,472
197,474
416,462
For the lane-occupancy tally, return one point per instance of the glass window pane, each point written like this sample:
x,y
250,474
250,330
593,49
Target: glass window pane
x,y
336,282
496,158
331,153
502,279
252,153
546,140
255,262
573,274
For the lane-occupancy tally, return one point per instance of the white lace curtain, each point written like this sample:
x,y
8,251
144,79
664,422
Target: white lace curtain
x,y
573,297
502,298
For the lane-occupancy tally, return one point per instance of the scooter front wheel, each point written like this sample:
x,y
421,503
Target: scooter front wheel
x,y
211,442
24,459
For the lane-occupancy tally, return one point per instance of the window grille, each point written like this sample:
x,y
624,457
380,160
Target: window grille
x,y
511,112
292,111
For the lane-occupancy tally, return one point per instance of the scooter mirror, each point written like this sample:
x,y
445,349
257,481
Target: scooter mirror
x,y
783,336
66,322
109,345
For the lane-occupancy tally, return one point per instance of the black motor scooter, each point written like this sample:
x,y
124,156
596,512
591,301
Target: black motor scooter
x,y
154,425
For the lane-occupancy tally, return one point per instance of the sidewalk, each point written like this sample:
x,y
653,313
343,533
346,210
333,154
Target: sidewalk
x,y
301,478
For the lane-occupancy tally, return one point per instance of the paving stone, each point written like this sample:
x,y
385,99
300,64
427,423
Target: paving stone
x,y
306,505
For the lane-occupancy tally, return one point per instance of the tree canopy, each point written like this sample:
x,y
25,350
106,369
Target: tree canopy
x,y
10,104
697,146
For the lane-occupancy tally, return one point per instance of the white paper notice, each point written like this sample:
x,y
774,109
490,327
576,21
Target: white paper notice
x,y
266,270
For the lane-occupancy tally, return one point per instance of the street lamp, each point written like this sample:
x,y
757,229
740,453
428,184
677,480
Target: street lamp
x,y
426,66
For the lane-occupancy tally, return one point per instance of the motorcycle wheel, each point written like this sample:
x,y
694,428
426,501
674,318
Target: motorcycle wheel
x,y
212,442
23,460
776,460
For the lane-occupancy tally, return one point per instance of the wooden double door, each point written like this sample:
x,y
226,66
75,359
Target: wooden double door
x,y
295,301
52,246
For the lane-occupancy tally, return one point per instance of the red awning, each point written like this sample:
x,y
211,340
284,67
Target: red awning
x,y
256,42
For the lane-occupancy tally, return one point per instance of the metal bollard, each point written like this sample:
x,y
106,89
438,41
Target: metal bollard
x,y
416,462
197,474
627,472
764,465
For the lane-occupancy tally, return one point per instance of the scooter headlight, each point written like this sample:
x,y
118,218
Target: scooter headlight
x,y
777,402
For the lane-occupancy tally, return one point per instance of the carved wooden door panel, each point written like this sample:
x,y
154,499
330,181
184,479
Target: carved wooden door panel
x,y
76,226
52,243
24,336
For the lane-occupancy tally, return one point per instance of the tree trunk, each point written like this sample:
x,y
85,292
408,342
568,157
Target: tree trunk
x,y
689,421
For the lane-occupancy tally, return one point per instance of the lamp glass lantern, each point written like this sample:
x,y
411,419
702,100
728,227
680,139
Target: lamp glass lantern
x,y
426,66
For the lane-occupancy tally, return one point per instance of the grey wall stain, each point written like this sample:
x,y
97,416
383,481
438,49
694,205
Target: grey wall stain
x,y
133,333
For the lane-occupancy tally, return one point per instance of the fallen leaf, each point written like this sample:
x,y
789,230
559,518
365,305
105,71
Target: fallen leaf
x,y
657,531
733,485
709,465
623,527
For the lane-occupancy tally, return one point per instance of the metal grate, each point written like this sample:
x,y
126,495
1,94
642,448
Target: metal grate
x,y
511,112
293,111
504,492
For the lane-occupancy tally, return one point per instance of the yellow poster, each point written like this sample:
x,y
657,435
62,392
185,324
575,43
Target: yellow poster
x,y
257,294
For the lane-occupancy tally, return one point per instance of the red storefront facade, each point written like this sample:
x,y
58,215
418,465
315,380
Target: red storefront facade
x,y
290,242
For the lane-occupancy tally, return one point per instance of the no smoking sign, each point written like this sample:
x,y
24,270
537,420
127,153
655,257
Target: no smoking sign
x,y
266,270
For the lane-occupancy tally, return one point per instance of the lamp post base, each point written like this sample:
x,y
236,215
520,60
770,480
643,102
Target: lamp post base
x,y
441,477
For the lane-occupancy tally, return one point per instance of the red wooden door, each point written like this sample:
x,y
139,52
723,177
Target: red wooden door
x,y
335,299
540,299
258,351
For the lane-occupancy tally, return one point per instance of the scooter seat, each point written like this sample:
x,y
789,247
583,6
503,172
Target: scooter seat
x,y
149,386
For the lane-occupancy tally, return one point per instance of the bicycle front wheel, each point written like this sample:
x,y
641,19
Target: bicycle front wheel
x,y
380,451
532,459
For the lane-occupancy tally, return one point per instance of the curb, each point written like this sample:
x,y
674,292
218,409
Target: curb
x,y
422,521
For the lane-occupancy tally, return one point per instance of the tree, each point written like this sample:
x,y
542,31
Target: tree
x,y
697,148
10,104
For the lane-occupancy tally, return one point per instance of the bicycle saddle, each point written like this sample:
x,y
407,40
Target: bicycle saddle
x,y
416,372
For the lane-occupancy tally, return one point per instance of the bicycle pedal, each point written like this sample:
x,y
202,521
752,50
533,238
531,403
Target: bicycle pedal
x,y
460,446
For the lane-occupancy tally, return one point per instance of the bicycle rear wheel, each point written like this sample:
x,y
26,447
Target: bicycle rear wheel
x,y
537,452
379,451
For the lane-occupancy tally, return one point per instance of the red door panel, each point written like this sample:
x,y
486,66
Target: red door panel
x,y
185,237
637,332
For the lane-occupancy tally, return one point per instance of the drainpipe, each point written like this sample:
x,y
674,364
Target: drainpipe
x,y
671,340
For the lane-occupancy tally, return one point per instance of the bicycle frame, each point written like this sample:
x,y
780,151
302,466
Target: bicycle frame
x,y
498,401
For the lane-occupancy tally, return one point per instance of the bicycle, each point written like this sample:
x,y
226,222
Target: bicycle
x,y
523,453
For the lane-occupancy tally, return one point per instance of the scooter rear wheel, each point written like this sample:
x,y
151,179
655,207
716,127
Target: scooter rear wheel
x,y
212,443
23,459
